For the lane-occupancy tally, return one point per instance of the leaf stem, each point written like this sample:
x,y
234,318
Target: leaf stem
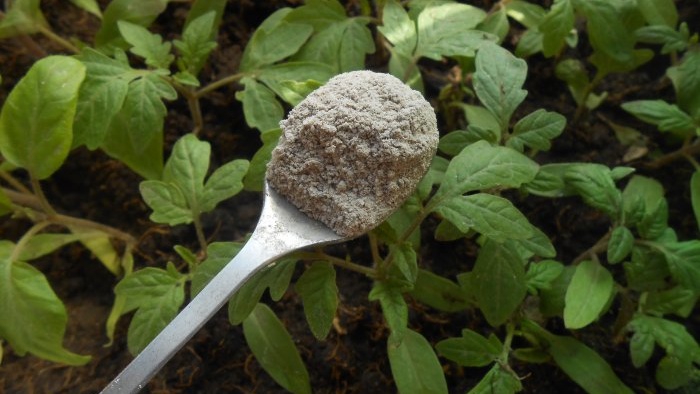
x,y
200,235
600,246
687,150
218,84
39,193
581,108
192,103
48,33
417,220
26,237
374,248
347,264
14,182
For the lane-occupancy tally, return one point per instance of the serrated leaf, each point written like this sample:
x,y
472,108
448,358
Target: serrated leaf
x,y
677,300
647,270
471,349
275,77
684,262
274,349
439,292
482,166
496,23
671,39
90,6
536,130
581,363
197,42
147,45
620,244
319,295
158,295
317,13
654,223
446,30
672,373
342,45
35,317
403,67
225,182
538,243
589,291
260,107
596,187
398,28
394,306
187,166
167,201
497,380
414,365
542,274
100,244
268,46
202,7
498,82
36,122
406,260
493,216
499,280
644,191
276,277
555,26
609,38
667,117
22,17
552,299
140,12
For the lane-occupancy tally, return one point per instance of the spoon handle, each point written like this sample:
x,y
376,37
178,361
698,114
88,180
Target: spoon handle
x,y
247,262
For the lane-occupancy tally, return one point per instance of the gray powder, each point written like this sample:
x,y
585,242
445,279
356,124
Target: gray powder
x,y
354,150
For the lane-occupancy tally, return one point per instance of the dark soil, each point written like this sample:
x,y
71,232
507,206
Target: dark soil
x,y
353,357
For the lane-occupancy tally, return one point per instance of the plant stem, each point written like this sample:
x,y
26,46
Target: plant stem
x,y
192,103
374,248
687,150
48,33
417,220
25,238
33,48
39,193
200,235
217,84
600,246
14,182
349,265
581,108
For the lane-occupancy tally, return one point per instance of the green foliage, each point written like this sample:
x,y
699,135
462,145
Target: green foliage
x,y
414,365
22,17
275,351
587,295
36,122
318,292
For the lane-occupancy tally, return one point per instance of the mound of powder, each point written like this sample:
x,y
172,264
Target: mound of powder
x,y
354,150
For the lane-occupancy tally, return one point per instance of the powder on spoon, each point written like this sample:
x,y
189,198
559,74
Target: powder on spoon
x,y
354,150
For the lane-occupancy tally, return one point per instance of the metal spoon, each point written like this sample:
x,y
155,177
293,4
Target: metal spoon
x,y
282,229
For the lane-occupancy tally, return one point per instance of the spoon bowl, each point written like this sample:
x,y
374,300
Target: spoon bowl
x,y
281,229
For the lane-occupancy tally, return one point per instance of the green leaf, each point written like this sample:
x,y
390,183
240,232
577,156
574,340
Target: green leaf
x,y
647,270
318,13
406,261
260,107
439,293
499,280
202,7
684,262
541,275
686,81
187,166
90,6
528,14
538,243
677,300
279,76
22,17
555,26
496,23
589,291
597,188
403,67
274,349
680,346
398,28
552,299
36,123
665,116
5,204
275,276
140,12
446,30
482,166
158,295
536,130
100,244
497,380
581,363
471,349
34,317
695,195
659,12
167,202
414,365
218,255
255,177
394,306
620,244
225,182
643,191
43,244
270,45
498,82
610,39
671,39
492,216
319,294
101,97
147,45
197,42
